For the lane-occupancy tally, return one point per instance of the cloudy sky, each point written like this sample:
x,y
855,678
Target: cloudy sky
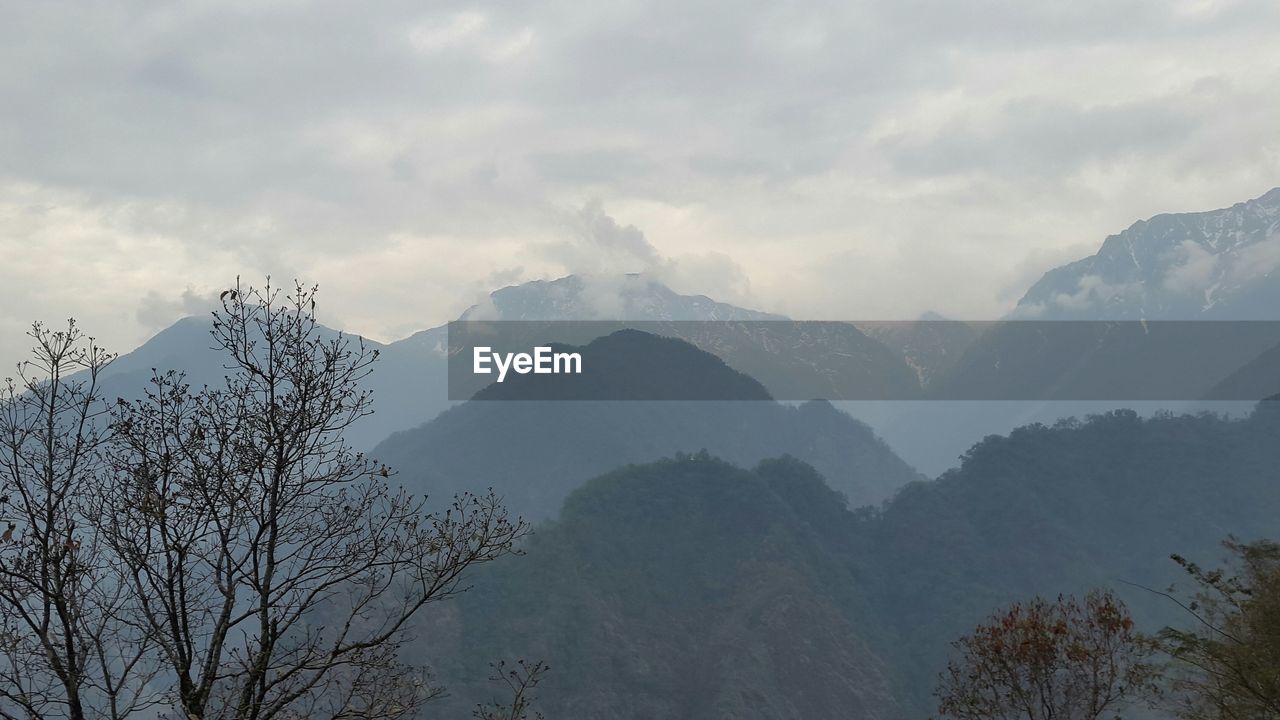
x,y
855,159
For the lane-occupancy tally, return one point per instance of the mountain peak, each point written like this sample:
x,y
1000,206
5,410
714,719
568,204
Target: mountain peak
x,y
630,296
1219,264
634,365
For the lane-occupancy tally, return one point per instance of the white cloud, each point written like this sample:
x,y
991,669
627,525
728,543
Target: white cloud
x,y
1258,260
1194,269
469,30
457,30
599,246
1093,292
862,159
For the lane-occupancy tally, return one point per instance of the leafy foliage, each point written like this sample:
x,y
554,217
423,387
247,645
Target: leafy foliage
x,y
1226,664
1069,660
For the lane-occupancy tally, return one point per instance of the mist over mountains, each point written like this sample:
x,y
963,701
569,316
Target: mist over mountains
x,y
536,451
1212,265
408,384
758,559
545,360
1219,264
1230,249
631,296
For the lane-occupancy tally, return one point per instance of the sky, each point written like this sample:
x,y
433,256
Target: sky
x,y
828,160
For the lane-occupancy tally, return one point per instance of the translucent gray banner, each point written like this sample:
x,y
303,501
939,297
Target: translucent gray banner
x,y
838,360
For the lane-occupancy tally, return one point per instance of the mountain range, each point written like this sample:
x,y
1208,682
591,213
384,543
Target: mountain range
x,y
1233,250
409,381
756,559
534,452
692,588
1219,264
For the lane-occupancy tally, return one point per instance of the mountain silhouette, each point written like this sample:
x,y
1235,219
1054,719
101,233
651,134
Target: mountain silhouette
x,y
535,451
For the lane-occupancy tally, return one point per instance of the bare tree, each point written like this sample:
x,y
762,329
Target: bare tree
x,y
62,652
274,568
518,681
1043,660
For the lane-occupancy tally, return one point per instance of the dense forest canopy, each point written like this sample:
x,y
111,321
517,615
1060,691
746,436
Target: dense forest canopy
x,y
690,587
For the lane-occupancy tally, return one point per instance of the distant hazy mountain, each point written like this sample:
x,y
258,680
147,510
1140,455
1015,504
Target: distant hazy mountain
x,y
803,360
795,361
408,382
603,297
930,346
1095,360
187,347
400,391
535,452
1259,377
1220,264
1150,270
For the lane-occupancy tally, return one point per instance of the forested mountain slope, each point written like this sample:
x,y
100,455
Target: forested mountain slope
x,y
690,588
